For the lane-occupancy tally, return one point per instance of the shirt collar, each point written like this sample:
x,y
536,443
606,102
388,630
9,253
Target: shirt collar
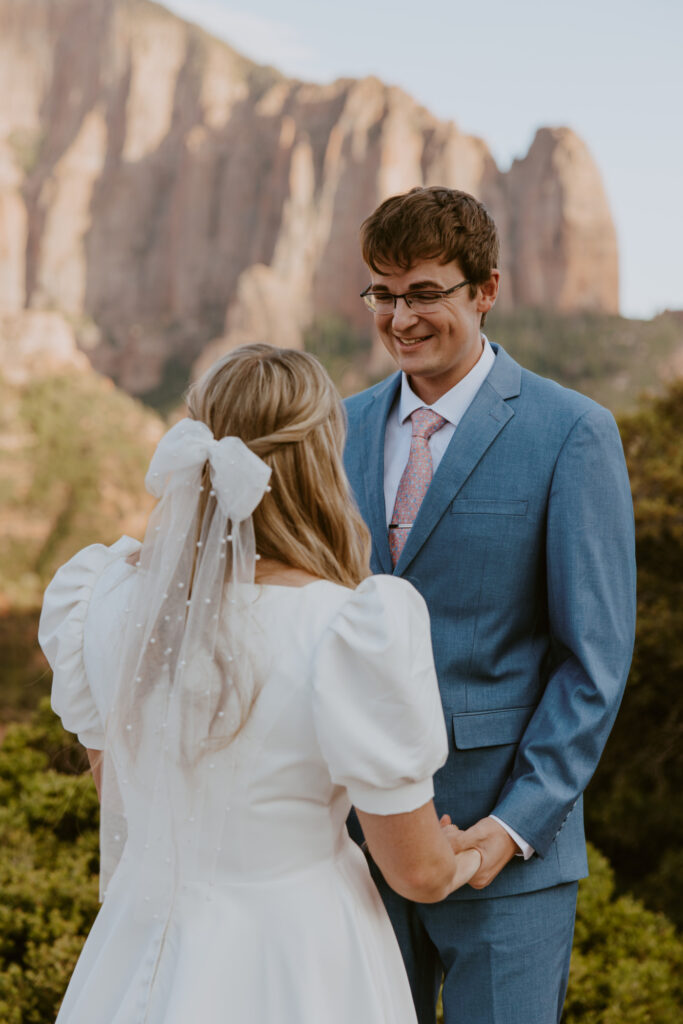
x,y
453,404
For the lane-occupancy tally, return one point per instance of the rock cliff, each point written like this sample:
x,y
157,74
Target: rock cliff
x,y
171,198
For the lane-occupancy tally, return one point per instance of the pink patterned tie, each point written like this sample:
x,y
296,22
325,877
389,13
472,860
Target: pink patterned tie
x,y
416,479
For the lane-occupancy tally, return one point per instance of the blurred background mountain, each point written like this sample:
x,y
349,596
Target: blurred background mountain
x,y
169,198
163,199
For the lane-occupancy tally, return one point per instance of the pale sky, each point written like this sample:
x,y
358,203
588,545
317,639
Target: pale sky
x,y
610,69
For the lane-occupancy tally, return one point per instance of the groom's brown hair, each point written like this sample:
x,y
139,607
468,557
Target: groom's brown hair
x,y
432,223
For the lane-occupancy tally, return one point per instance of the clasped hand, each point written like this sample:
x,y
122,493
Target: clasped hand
x,y
490,839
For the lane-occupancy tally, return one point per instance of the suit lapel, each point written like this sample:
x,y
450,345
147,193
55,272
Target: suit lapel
x,y
476,432
373,429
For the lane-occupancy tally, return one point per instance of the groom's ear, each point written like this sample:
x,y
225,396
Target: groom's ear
x,y
487,292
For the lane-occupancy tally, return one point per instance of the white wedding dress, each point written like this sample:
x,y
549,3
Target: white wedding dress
x,y
279,921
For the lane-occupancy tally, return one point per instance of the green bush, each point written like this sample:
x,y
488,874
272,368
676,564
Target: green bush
x,y
72,474
627,962
25,674
49,862
633,806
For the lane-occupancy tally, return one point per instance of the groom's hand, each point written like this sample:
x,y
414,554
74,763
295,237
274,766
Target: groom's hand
x,y
494,844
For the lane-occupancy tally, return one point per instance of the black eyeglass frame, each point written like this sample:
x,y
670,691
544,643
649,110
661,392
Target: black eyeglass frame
x,y
369,294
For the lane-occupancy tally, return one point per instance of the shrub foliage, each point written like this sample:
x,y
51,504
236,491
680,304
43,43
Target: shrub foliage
x,y
49,862
627,962
633,806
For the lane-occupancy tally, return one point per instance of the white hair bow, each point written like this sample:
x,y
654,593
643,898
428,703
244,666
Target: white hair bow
x,y
238,477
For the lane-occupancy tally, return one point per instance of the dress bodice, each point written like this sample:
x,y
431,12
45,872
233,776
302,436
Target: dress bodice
x,y
347,711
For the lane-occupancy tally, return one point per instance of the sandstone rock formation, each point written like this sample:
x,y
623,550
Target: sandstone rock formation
x,y
174,199
35,344
560,227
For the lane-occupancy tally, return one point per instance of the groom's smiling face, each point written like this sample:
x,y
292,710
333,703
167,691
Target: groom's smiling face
x,y
438,348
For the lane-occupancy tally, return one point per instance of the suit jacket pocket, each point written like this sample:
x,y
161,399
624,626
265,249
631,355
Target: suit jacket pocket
x,y
490,728
489,506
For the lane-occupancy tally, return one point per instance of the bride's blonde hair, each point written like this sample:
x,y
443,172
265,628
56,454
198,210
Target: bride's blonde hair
x,y
285,408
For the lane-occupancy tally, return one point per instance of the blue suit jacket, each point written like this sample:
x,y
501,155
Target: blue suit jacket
x,y
523,549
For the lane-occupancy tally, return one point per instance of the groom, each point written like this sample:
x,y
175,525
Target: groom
x,y
504,499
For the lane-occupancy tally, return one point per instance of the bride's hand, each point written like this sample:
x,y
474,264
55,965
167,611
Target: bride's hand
x,y
468,860
447,826
468,863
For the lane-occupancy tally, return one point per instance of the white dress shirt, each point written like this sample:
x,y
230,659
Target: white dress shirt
x,y
397,438
399,431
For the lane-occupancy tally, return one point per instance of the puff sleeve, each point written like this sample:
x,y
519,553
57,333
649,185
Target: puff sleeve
x,y
376,702
60,634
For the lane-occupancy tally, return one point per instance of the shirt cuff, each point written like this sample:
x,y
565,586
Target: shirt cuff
x,y
526,850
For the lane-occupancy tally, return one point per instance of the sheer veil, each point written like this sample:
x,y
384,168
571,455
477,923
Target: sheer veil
x,y
185,676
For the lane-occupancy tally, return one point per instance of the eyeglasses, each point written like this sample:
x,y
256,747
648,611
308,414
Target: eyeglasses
x,y
383,303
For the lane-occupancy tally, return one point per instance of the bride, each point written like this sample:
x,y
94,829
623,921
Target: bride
x,y
240,681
